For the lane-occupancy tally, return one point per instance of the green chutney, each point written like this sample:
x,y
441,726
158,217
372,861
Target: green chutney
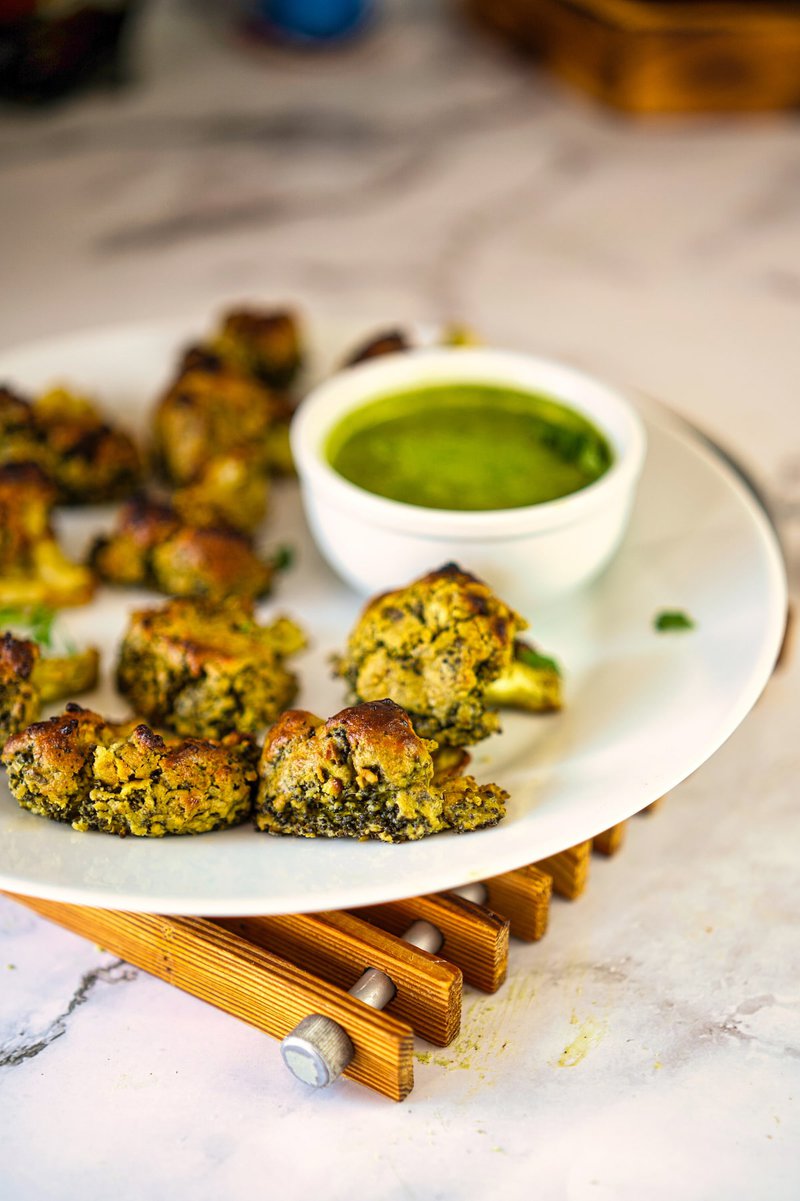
x,y
467,446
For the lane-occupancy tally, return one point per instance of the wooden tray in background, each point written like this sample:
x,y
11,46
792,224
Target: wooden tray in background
x,y
656,56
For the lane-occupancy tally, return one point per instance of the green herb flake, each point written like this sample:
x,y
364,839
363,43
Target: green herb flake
x,y
283,558
532,658
672,619
37,621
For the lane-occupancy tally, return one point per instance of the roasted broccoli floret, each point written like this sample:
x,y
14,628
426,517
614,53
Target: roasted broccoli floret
x,y
434,647
19,438
206,668
125,779
19,697
214,409
28,680
389,341
532,682
394,341
33,568
152,546
264,344
82,455
91,461
363,774
229,491
145,786
50,763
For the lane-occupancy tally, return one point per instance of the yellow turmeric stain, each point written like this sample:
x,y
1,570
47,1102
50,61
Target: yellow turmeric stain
x,y
589,1036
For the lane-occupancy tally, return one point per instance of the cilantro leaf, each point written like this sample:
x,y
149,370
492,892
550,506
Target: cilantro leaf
x,y
672,619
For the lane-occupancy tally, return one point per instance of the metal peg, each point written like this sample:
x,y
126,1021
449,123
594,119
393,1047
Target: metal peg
x,y
318,1050
476,892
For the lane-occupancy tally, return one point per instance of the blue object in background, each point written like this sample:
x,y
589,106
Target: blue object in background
x,y
313,20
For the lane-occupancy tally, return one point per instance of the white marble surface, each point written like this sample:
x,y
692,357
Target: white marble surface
x,y
649,1047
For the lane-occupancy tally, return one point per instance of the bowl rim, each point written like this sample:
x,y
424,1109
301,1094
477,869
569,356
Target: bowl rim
x,y
357,385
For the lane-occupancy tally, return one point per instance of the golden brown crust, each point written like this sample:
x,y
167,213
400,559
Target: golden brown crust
x,y
292,726
212,563
61,742
232,490
382,721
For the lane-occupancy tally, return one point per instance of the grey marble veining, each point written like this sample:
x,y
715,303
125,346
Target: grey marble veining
x,y
649,1047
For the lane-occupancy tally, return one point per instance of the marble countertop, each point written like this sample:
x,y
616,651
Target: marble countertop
x,y
649,1046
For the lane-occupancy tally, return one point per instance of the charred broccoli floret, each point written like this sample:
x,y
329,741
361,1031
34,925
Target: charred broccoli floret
x,y
85,458
19,697
214,409
434,647
206,668
28,680
264,344
363,774
394,341
50,763
33,568
125,779
152,546
91,461
389,341
229,491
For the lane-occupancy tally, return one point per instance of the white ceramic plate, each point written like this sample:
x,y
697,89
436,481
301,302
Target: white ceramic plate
x,y
643,710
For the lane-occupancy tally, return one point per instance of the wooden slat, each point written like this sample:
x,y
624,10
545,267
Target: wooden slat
x,y
569,869
653,807
648,57
475,938
609,841
246,981
339,947
522,896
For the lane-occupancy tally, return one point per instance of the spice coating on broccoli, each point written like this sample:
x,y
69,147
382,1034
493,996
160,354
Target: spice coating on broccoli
x,y
434,647
123,778
206,668
364,774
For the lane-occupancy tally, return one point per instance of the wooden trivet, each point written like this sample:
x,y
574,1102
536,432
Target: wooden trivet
x,y
660,56
280,973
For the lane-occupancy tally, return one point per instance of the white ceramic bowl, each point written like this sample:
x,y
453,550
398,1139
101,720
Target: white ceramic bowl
x,y
531,555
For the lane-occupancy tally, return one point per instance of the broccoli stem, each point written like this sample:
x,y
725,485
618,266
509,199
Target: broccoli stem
x,y
532,682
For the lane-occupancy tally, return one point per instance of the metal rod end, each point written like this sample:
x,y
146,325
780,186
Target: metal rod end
x,y
317,1051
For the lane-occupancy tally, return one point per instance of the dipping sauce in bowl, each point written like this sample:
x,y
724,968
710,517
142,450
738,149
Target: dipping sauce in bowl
x,y
521,469
469,447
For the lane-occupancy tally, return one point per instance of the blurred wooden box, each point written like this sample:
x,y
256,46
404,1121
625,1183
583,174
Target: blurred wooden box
x,y
656,56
